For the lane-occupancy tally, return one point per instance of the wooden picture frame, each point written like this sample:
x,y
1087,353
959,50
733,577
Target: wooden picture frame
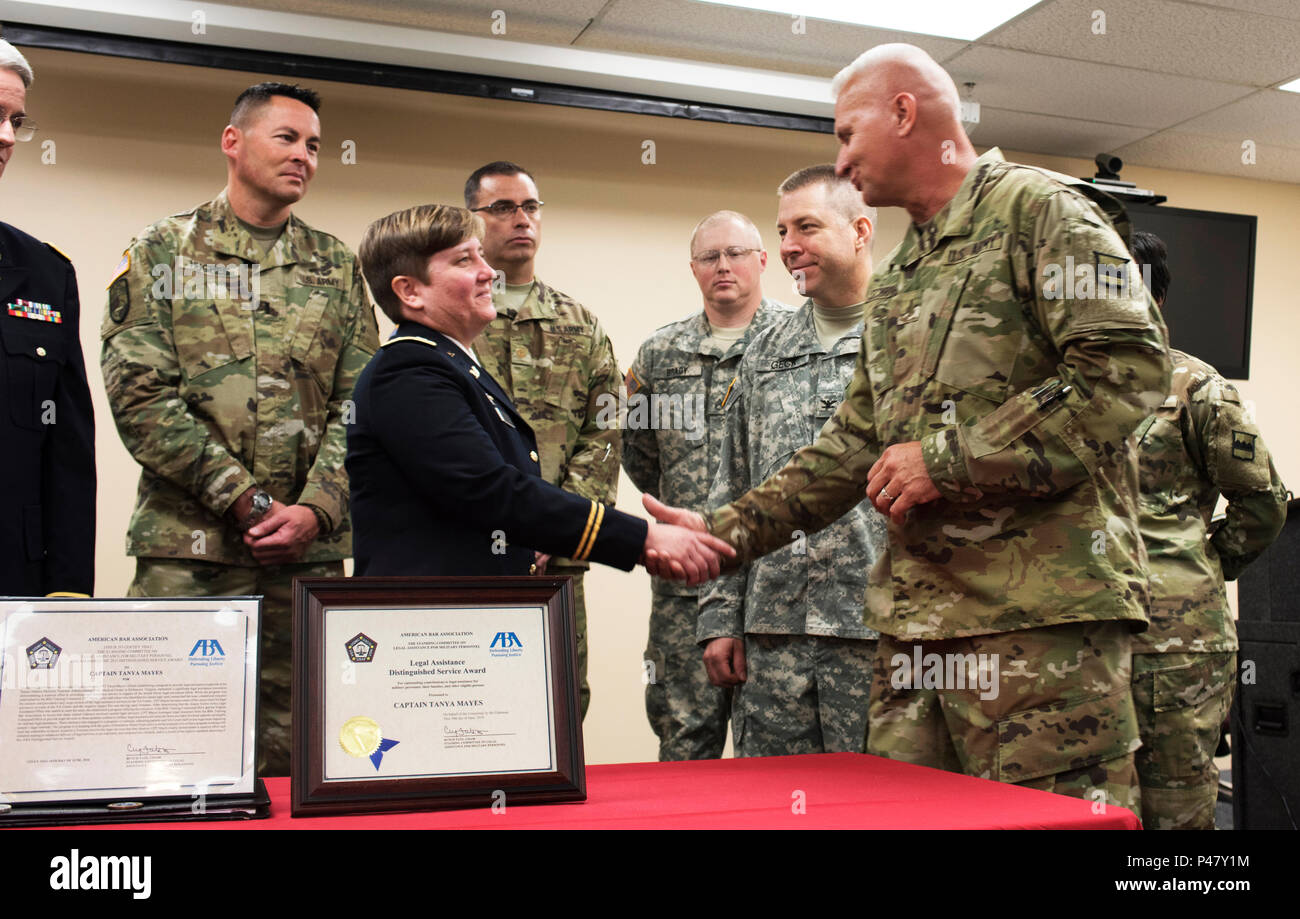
x,y
479,716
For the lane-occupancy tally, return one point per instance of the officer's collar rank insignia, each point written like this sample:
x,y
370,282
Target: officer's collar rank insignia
x,y
30,309
473,371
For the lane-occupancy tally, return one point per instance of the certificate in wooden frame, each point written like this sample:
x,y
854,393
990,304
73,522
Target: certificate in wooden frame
x,y
434,693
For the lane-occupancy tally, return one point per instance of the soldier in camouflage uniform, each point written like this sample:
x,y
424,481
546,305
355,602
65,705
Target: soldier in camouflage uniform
x,y
690,366
1199,444
993,417
786,631
552,357
233,336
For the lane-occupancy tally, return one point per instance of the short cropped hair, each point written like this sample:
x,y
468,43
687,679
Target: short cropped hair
x,y
497,168
403,242
253,98
12,59
1149,250
718,217
842,195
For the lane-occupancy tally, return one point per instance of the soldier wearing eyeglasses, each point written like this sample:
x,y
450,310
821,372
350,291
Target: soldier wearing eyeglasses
x,y
786,631
47,514
551,356
689,366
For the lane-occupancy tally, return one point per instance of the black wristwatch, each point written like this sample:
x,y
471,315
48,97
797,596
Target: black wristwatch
x,y
260,505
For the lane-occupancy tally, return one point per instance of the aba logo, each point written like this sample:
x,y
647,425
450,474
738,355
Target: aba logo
x,y
506,644
43,655
207,652
1243,446
361,648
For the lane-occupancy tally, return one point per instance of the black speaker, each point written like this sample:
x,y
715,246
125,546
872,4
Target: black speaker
x,y
1269,589
1266,727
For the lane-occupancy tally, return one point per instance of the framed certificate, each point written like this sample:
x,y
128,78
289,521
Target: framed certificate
x,y
134,708
433,693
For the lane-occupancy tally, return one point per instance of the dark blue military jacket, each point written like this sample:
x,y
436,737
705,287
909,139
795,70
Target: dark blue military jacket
x,y
444,475
47,425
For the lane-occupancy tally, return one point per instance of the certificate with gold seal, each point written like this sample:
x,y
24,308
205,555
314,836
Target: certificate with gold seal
x,y
425,693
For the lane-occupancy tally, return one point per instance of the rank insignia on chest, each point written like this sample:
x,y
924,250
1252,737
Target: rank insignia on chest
x,y
30,309
1243,446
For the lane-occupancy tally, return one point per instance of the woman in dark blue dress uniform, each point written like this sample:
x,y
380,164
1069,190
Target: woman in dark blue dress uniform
x,y
443,471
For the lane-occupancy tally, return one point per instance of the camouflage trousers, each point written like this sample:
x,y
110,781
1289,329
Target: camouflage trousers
x,y
686,711
580,626
1048,708
166,577
803,694
1181,701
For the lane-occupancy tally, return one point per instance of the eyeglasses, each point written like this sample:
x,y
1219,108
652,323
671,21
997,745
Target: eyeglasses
x,y
710,258
503,209
24,127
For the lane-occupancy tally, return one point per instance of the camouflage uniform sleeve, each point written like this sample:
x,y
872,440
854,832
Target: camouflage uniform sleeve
x,y
142,379
641,446
327,482
592,470
820,484
722,601
1239,464
1113,372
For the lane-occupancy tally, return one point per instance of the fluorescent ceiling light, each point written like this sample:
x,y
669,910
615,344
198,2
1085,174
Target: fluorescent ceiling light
x,y
1292,87
964,19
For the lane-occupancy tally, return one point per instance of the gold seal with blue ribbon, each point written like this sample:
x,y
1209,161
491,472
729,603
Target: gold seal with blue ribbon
x,y
361,736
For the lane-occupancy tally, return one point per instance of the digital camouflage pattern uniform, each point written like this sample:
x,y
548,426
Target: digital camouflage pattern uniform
x,y
1199,444
799,609
1025,403
557,364
217,386
677,365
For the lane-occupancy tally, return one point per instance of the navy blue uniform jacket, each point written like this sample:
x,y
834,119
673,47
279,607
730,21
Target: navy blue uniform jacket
x,y
444,475
47,425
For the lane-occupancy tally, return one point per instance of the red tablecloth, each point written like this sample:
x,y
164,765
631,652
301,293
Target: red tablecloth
x,y
839,791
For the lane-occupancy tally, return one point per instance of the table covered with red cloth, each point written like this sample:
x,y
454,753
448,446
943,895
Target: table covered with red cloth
x,y
819,791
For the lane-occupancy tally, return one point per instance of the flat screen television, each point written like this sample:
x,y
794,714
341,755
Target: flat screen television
x,y
1212,270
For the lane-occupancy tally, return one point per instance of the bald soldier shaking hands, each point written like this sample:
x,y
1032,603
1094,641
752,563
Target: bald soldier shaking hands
x,y
990,417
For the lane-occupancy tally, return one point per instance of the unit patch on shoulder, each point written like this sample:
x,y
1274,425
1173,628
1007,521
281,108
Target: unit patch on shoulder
x,y
1243,446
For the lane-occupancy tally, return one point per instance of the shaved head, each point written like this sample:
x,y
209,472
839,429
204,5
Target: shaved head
x,y
750,231
898,121
887,70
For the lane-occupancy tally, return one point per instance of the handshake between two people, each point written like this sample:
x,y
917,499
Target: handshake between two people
x,y
681,548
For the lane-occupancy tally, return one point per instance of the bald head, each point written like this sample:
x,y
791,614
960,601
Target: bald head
x,y
898,121
748,232
887,70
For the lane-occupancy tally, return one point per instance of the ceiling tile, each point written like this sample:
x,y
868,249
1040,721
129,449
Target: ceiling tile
x,y
745,38
1018,81
1217,155
1287,9
555,22
1050,134
1162,35
1269,116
